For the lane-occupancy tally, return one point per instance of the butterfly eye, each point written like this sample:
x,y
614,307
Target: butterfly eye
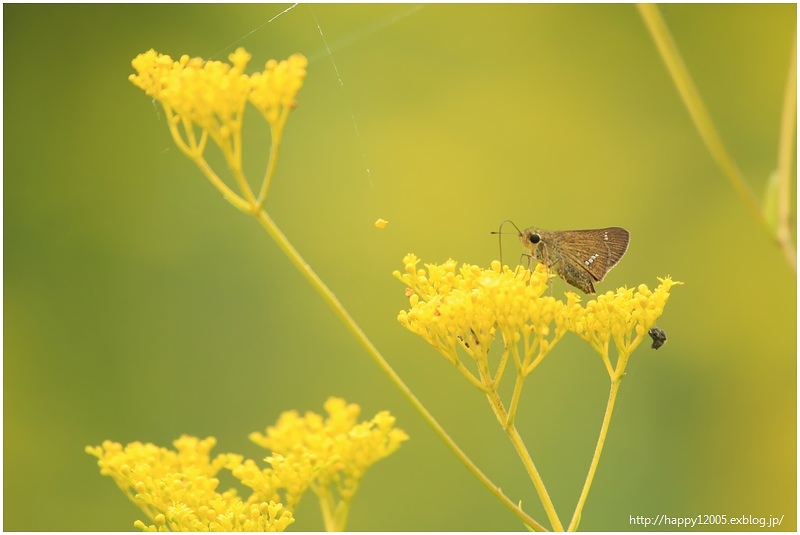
x,y
534,238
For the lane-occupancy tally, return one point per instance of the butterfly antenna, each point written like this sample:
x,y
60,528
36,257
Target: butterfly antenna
x,y
500,237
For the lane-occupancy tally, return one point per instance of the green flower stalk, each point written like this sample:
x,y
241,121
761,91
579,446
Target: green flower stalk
x,y
625,317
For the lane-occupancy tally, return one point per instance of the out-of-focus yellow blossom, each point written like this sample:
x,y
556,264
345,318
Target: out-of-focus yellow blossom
x,y
467,306
623,316
178,489
284,481
213,94
274,89
342,448
208,98
209,94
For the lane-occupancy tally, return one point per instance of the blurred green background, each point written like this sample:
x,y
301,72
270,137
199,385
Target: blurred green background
x,y
140,306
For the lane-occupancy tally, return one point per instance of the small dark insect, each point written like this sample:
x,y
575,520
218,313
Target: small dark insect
x,y
659,337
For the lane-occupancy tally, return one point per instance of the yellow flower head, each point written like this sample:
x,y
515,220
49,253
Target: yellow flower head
x,y
466,306
212,95
178,489
284,481
274,90
624,316
337,450
452,307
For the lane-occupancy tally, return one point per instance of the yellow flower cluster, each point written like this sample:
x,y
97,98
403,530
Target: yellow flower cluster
x,y
213,94
338,449
178,489
624,316
451,306
466,306
274,89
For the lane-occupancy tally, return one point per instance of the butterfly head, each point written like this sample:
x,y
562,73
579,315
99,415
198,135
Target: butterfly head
x,y
533,240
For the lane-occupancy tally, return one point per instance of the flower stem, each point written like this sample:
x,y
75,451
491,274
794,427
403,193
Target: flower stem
x,y
342,512
327,507
533,473
512,409
194,151
501,367
274,150
326,294
694,104
468,374
227,192
601,440
516,440
244,187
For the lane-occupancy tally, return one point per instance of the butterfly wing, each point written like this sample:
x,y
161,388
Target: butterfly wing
x,y
594,250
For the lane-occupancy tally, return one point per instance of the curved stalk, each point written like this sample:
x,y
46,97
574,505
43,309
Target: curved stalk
x,y
516,440
705,125
616,378
327,295
694,104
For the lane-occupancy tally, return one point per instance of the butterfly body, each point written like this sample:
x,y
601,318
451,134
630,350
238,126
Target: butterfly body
x,y
580,257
